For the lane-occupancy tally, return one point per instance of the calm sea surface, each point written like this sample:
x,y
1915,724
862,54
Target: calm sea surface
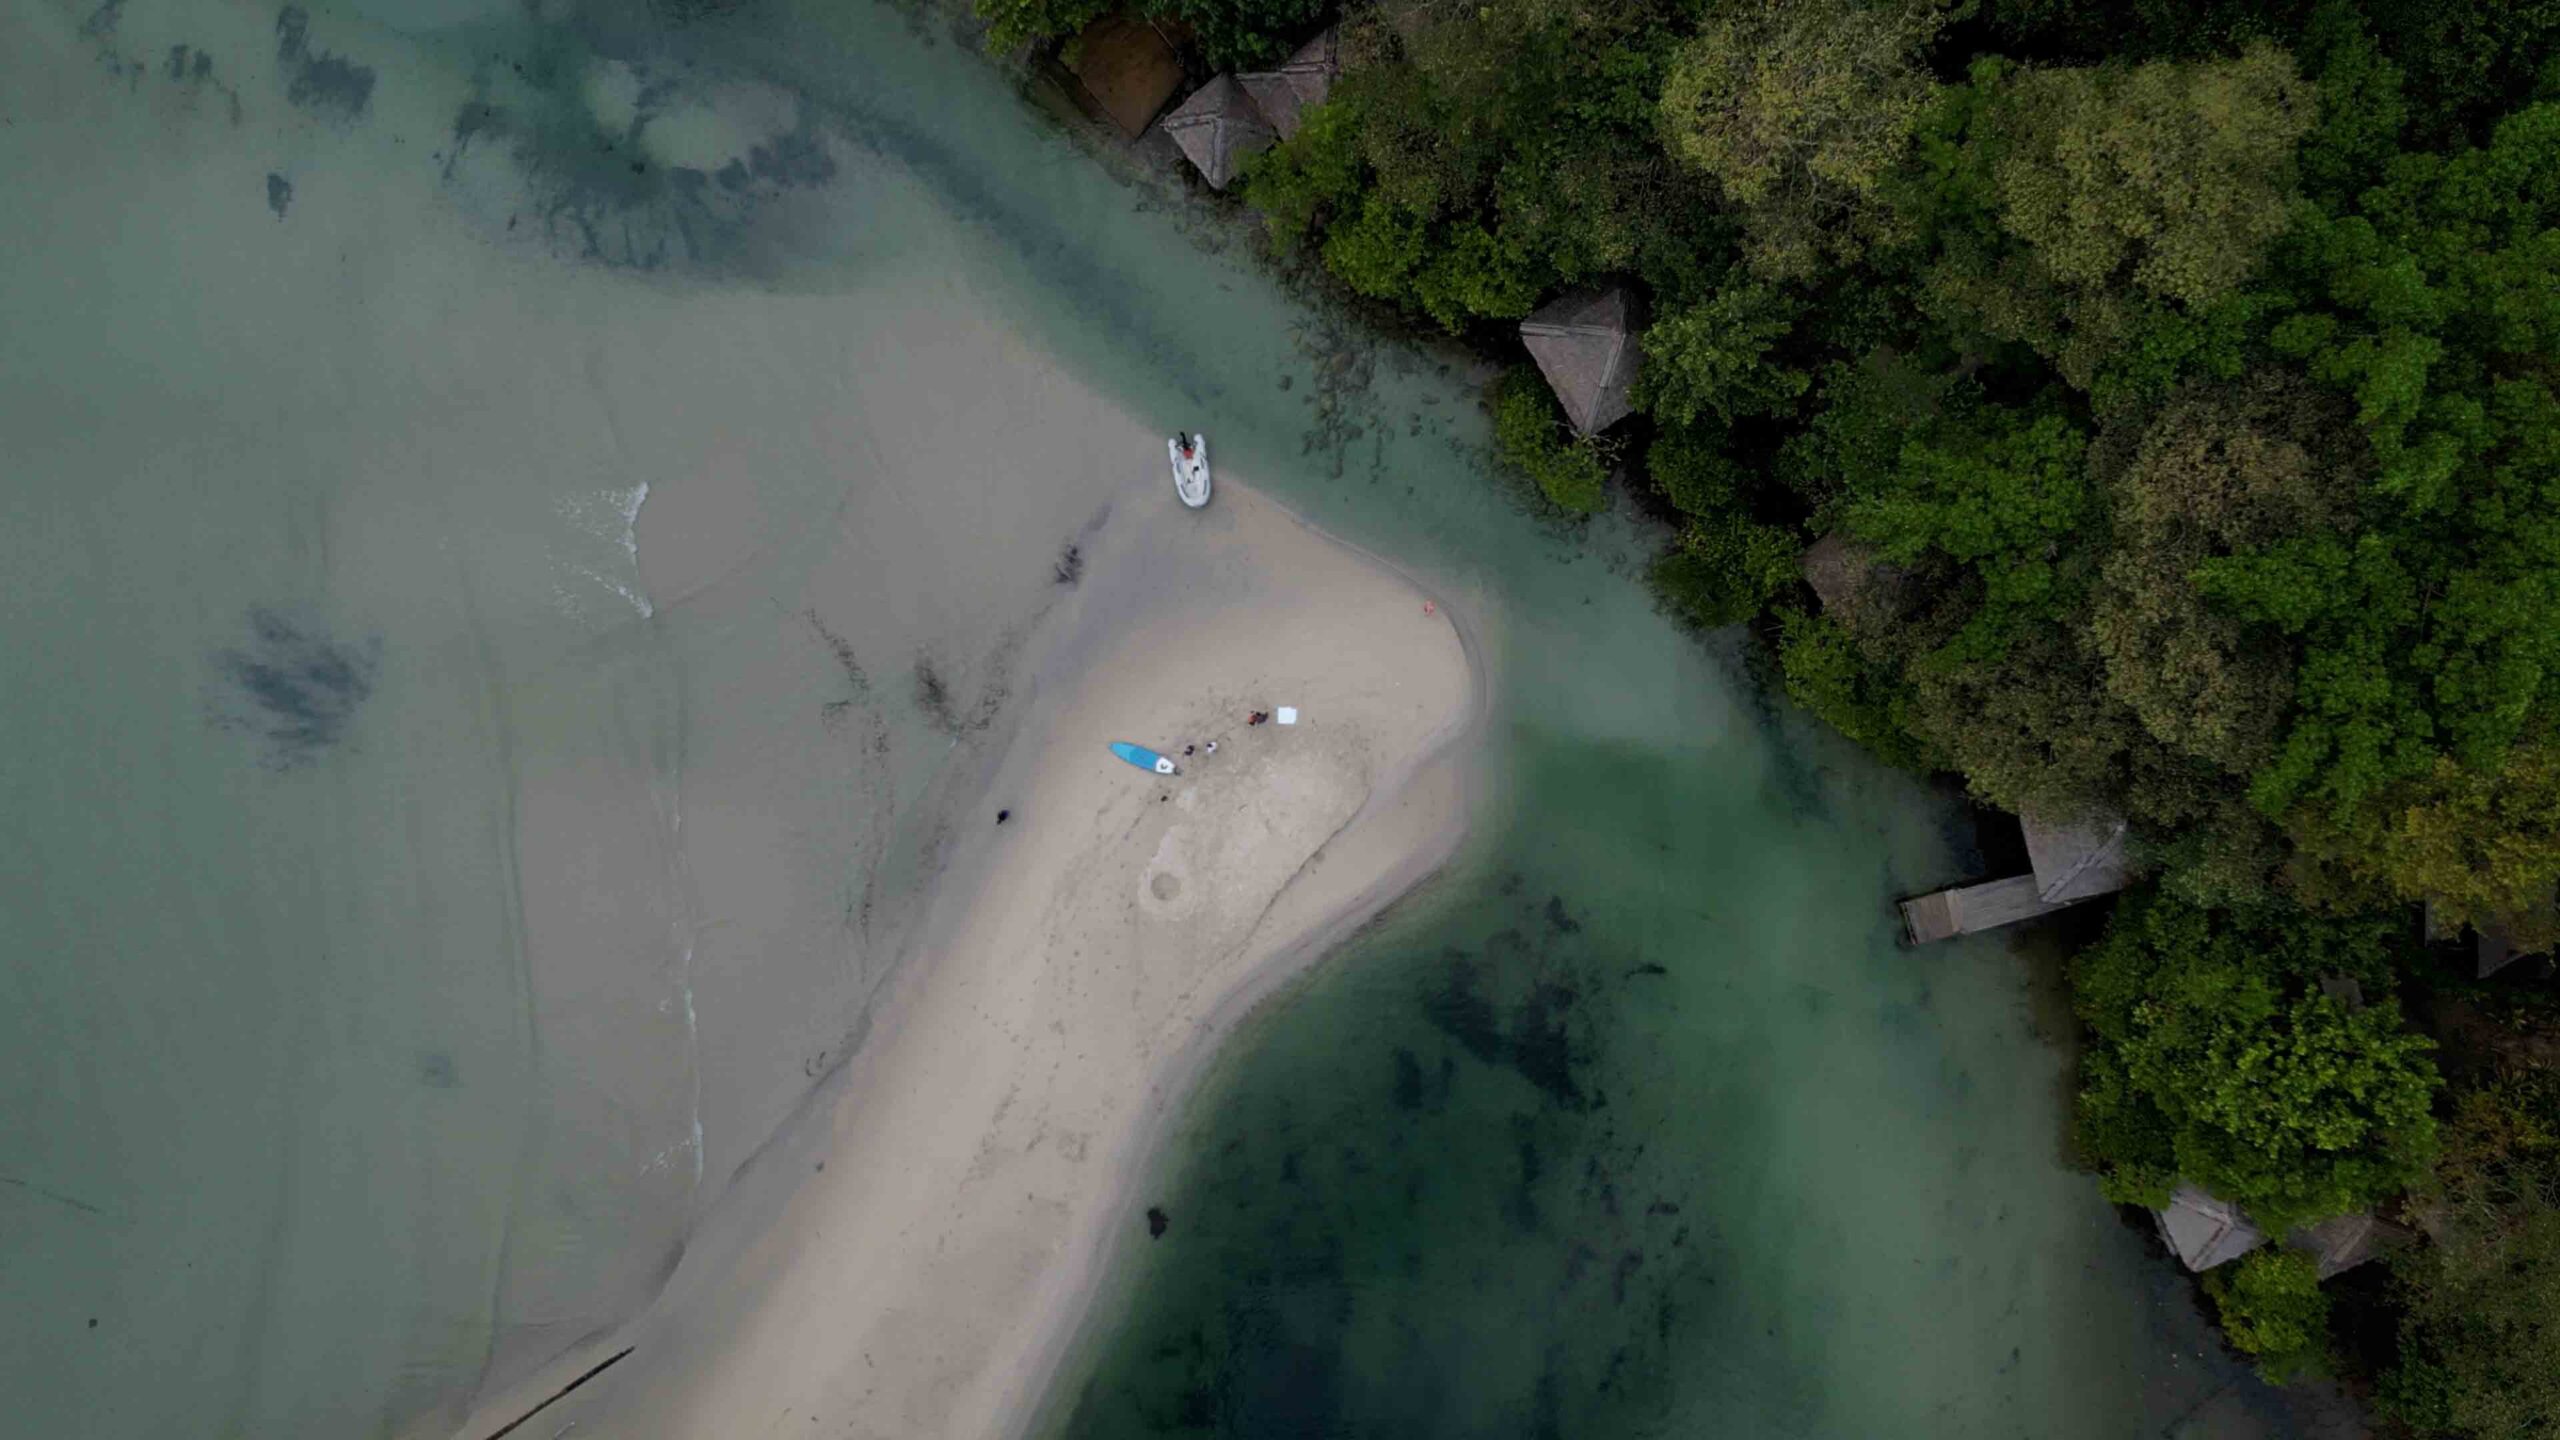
x,y
340,349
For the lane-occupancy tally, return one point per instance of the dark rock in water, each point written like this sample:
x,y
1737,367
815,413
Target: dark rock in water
x,y
324,84
1542,1044
294,687
435,1070
1157,1222
102,22
1408,1085
794,158
1561,922
1649,968
279,193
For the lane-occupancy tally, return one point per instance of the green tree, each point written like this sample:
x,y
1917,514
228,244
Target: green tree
x,y
1724,568
1229,33
2483,847
1693,470
1014,23
2481,1337
2272,1307
2000,491
2469,61
1377,249
1799,110
2168,178
2362,112
2004,486
1710,359
1312,175
2266,1091
2220,470
2480,1331
1825,672
1529,434
2434,631
1239,34
2079,210
1472,274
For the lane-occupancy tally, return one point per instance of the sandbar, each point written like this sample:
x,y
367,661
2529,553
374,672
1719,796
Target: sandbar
x,y
979,1161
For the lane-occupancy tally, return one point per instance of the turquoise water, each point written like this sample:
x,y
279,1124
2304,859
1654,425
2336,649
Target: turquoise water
x,y
1640,1126
367,1034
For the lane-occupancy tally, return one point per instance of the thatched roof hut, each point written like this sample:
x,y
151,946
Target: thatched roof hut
x,y
1124,71
2070,863
1849,577
2504,941
2077,861
1217,128
2498,942
2203,1231
1299,84
2348,1241
1585,345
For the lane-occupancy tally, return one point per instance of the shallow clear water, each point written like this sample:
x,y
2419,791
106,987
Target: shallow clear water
x,y
339,351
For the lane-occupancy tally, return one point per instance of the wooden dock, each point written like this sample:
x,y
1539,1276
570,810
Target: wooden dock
x,y
1945,914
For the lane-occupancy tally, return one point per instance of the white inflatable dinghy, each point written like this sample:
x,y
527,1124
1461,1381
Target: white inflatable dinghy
x,y
1190,457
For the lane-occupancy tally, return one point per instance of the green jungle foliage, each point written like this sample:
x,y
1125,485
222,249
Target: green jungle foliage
x,y
1532,439
2183,379
2480,1326
2272,1307
2214,1056
1227,33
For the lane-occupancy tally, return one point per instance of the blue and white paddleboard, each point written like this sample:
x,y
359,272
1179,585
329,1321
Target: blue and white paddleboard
x,y
1142,757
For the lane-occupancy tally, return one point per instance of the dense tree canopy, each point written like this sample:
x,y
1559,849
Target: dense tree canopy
x,y
1799,110
2216,1058
2273,1308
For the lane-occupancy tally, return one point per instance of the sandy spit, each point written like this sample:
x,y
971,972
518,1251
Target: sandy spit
x,y
915,1256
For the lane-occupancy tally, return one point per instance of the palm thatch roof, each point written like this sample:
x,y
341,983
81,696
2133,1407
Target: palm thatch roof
x,y
1125,71
1848,576
2203,1231
1300,83
2496,941
2504,941
2346,1242
2072,862
1217,128
1585,345
2079,860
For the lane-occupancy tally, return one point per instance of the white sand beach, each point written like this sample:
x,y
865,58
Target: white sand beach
x,y
948,1216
